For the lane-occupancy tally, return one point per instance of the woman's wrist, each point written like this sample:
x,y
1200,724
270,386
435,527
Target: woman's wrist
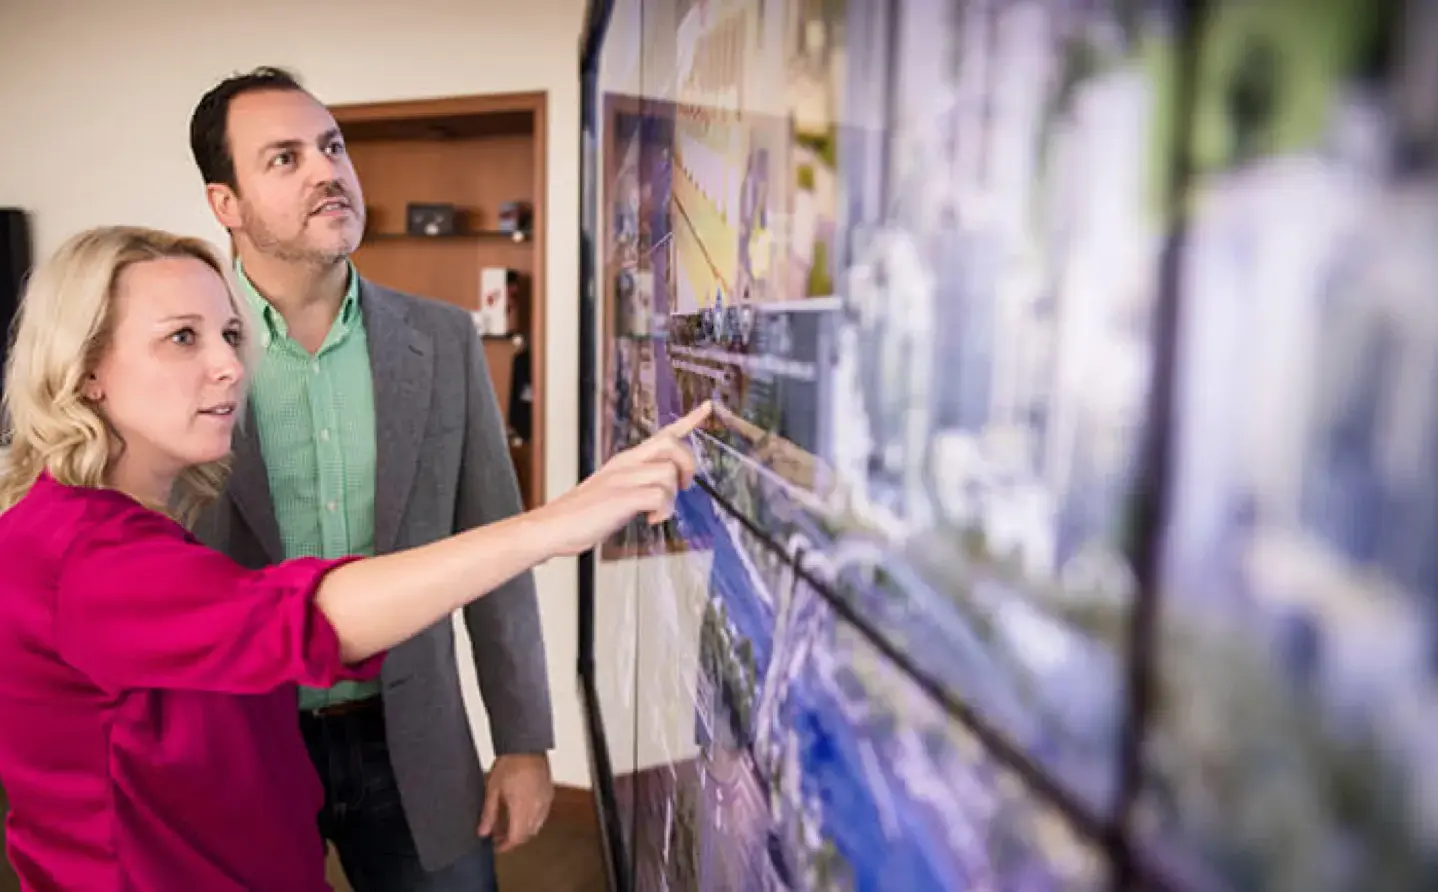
x,y
545,532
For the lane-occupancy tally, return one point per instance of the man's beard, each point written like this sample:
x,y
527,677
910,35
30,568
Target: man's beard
x,y
288,250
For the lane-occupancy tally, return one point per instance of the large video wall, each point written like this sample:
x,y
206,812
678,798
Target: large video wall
x,y
1069,519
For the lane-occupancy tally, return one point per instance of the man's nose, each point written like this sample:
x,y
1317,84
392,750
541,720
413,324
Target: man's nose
x,y
323,170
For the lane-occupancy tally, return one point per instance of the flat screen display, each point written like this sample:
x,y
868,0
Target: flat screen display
x,y
1292,745
1075,454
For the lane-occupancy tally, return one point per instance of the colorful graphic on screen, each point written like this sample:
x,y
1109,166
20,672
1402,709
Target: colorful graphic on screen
x,y
1294,739
1019,316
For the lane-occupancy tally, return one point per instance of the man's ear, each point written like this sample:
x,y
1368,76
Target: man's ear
x,y
224,204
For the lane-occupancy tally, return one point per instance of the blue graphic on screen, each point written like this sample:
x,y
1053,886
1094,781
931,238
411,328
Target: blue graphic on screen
x,y
1019,314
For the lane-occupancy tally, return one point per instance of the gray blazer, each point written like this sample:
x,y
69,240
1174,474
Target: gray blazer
x,y
442,466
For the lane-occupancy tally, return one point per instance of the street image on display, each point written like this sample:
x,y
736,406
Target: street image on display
x,y
919,254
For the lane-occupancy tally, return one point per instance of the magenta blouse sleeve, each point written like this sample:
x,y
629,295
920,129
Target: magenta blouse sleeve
x,y
140,604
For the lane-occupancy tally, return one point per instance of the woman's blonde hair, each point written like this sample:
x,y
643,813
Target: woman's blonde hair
x,y
64,325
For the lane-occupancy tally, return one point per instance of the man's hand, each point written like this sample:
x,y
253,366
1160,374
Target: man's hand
x,y
520,785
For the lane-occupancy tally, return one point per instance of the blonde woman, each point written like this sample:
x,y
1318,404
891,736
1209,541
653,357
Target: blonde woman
x,y
147,683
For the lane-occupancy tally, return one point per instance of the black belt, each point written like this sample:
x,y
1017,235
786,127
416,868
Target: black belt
x,y
347,707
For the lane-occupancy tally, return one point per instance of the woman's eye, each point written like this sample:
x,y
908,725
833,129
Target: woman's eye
x,y
184,337
234,337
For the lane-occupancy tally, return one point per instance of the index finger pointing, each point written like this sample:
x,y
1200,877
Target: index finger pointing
x,y
697,416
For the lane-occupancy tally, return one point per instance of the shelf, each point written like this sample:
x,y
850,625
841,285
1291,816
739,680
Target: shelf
x,y
458,122
519,238
475,154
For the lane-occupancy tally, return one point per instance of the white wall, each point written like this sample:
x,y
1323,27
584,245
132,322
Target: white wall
x,y
95,98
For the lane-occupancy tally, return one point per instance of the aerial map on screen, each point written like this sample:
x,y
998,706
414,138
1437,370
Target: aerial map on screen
x,y
1068,516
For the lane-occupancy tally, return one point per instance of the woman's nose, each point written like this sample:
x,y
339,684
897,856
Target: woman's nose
x,y
226,364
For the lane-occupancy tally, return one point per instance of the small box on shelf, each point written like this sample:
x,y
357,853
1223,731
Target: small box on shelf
x,y
500,312
492,317
422,219
515,219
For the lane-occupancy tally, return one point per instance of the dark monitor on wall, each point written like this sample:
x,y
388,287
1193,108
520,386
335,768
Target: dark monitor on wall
x,y
15,260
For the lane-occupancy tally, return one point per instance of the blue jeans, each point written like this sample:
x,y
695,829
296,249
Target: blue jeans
x,y
363,816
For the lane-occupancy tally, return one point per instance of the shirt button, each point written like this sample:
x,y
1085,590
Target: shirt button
x,y
331,507
325,435
315,367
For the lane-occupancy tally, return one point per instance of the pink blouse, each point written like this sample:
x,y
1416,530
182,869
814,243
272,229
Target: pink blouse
x,y
148,735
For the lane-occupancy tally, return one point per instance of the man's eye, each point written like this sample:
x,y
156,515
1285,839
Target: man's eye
x,y
184,337
282,158
336,148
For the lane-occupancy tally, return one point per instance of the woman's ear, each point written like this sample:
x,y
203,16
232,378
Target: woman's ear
x,y
92,390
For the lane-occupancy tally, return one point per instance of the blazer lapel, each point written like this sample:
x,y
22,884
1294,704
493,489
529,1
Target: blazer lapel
x,y
249,488
402,364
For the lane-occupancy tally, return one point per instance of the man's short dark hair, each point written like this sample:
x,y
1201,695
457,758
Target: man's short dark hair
x,y
210,122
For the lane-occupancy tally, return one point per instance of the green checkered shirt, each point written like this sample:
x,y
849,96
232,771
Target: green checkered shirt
x,y
316,425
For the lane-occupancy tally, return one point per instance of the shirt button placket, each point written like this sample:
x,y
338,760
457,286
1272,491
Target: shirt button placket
x,y
329,497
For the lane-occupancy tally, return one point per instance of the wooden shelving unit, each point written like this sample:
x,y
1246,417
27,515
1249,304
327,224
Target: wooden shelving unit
x,y
476,153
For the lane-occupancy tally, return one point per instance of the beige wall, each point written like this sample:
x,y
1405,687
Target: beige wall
x,y
95,97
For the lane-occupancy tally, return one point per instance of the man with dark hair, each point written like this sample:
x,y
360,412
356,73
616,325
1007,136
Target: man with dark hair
x,y
373,426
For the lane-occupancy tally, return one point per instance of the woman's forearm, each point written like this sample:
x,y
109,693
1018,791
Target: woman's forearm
x,y
377,603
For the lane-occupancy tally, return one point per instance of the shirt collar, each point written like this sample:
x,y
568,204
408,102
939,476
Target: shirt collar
x,y
270,318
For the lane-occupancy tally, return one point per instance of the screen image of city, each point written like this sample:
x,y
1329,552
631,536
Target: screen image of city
x,y
1068,516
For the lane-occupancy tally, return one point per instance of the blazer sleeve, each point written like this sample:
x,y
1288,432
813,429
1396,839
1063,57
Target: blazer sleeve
x,y
504,626
139,604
